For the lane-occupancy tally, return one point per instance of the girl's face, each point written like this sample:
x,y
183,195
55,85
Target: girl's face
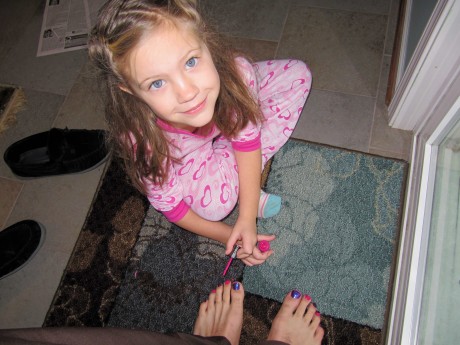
x,y
173,72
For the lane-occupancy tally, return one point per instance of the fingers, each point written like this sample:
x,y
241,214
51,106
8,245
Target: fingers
x,y
249,253
248,245
264,237
248,248
257,257
231,244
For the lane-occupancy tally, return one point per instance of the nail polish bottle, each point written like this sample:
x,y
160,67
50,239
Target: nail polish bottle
x,y
264,246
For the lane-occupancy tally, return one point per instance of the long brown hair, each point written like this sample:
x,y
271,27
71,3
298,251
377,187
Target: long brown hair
x,y
120,26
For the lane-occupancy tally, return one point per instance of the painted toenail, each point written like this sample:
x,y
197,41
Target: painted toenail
x,y
236,286
213,291
307,297
295,294
227,282
318,313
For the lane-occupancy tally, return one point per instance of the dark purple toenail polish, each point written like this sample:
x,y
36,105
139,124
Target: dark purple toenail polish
x,y
295,294
236,286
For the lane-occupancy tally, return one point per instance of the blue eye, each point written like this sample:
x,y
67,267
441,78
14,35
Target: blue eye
x,y
191,62
157,84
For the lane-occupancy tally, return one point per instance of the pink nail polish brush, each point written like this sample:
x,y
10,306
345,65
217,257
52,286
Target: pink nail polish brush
x,y
231,259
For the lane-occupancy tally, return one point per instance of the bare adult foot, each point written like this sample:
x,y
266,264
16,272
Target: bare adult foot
x,y
222,313
297,322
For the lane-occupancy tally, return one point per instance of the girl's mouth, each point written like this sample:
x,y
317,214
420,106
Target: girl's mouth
x,y
197,108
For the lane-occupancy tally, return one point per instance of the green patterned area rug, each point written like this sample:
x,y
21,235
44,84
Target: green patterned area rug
x,y
131,268
336,231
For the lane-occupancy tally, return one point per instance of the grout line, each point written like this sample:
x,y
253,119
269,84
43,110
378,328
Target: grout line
x,y
380,78
282,30
344,93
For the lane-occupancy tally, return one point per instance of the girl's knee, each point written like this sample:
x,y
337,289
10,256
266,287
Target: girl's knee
x,y
301,70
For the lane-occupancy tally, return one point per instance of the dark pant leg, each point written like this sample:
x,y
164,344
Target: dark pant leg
x,y
106,336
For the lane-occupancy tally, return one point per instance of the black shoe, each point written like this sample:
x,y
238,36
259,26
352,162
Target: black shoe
x,y
57,152
18,244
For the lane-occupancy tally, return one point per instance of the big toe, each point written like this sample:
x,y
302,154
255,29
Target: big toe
x,y
291,302
237,292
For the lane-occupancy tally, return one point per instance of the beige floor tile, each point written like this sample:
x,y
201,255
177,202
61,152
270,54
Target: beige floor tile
x,y
83,107
10,193
256,49
387,140
336,119
343,49
389,154
365,6
247,18
13,15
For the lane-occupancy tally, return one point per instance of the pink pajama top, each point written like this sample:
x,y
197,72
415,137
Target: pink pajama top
x,y
205,178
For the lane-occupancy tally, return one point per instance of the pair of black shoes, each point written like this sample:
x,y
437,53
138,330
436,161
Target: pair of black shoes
x,y
57,152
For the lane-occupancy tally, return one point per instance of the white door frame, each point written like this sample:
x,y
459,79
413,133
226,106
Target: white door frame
x,y
423,102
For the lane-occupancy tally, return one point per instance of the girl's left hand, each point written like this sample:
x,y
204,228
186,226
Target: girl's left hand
x,y
257,257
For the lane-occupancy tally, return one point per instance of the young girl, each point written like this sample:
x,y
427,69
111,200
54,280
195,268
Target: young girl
x,y
194,123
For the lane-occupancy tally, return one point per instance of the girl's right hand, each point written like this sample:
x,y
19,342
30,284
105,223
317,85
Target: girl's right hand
x,y
257,257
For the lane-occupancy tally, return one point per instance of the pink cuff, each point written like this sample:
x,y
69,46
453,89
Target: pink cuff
x,y
246,146
177,213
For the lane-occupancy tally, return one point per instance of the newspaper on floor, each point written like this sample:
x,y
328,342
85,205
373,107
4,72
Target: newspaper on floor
x,y
66,25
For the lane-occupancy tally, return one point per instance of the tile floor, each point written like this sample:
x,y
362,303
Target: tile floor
x,y
347,44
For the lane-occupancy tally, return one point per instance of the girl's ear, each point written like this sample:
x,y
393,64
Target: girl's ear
x,y
124,88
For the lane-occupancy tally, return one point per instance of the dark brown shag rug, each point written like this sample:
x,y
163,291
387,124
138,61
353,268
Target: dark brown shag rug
x,y
102,258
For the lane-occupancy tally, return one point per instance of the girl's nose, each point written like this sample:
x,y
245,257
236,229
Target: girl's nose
x,y
186,90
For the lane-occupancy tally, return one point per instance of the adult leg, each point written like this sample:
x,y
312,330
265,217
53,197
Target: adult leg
x,y
106,336
222,313
219,321
297,322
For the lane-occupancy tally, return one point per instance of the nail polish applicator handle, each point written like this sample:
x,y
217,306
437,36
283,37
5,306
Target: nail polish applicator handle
x,y
232,256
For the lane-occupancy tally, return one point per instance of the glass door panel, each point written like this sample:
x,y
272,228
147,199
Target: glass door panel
x,y
439,321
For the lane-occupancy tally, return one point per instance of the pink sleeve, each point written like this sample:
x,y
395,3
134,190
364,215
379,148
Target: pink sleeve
x,y
248,145
249,138
177,213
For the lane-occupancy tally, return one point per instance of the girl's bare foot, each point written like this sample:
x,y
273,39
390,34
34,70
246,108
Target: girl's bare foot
x,y
222,313
297,322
